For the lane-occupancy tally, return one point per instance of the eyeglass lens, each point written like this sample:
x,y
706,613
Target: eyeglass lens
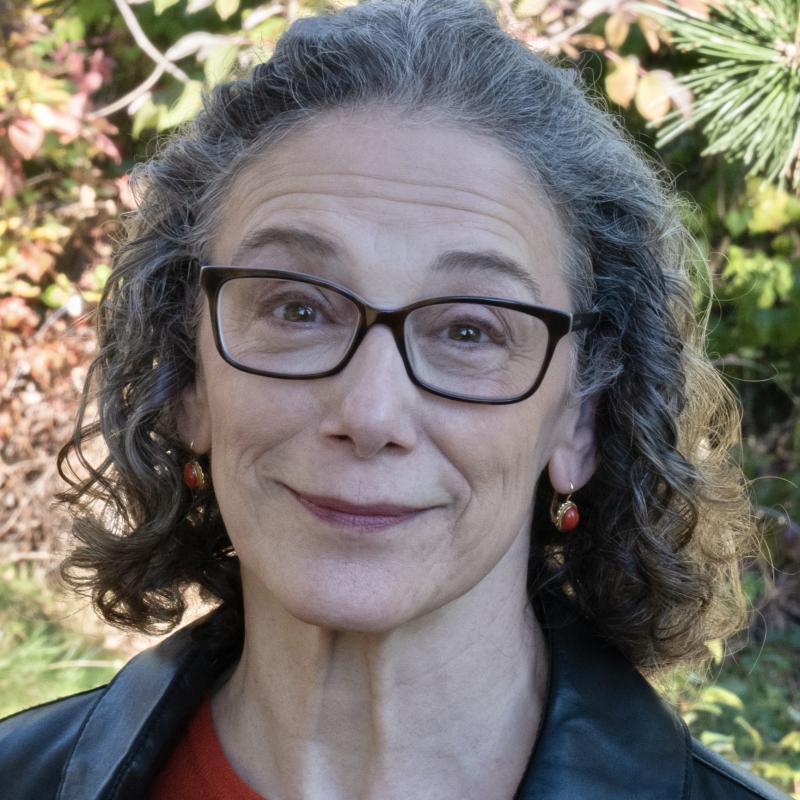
x,y
294,328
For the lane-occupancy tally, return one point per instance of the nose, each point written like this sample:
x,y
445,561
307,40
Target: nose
x,y
370,402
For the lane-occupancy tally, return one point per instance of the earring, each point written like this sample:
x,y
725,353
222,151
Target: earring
x,y
194,475
564,514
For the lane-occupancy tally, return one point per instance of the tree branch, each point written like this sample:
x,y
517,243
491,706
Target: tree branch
x,y
147,46
130,97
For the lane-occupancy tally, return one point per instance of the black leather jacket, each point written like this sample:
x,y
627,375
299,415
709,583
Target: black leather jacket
x,y
605,734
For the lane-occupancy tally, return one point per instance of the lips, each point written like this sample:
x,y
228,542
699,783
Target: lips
x,y
356,517
343,507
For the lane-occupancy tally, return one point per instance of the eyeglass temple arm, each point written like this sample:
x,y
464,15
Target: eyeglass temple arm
x,y
582,321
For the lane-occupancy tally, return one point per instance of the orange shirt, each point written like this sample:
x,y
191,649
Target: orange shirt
x,y
198,768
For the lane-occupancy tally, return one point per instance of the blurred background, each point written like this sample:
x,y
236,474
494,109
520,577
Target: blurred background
x,y
711,90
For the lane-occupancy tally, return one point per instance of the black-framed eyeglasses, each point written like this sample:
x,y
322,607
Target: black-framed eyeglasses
x,y
289,325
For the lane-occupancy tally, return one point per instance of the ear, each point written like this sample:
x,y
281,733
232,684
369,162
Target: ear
x,y
574,458
193,418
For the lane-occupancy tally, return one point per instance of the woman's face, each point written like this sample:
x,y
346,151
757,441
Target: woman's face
x,y
389,196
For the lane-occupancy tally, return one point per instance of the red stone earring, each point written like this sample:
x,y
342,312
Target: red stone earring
x,y
564,513
194,475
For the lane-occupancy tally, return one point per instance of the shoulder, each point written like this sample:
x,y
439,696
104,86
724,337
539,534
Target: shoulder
x,y
714,778
36,743
109,741
639,745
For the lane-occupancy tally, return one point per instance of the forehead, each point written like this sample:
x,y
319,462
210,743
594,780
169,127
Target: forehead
x,y
393,193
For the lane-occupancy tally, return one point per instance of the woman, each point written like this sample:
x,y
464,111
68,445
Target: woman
x,y
399,365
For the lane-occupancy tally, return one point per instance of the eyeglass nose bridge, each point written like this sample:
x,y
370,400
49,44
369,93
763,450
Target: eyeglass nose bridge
x,y
394,320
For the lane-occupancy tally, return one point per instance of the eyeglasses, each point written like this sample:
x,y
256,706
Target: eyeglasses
x,y
295,326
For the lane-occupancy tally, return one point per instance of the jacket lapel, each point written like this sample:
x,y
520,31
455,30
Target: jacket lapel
x,y
132,728
605,732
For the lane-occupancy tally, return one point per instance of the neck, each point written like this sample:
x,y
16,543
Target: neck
x,y
444,706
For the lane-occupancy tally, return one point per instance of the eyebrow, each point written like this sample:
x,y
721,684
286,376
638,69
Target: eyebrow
x,y
312,244
320,246
483,261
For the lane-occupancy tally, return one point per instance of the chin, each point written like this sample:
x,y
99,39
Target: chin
x,y
344,622
342,609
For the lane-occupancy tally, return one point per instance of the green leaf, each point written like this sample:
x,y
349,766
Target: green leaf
x,y
792,740
67,30
755,736
146,117
55,296
773,208
756,278
717,649
777,772
718,742
160,6
718,695
184,108
708,708
746,100
219,63
737,220
50,231
98,276
226,8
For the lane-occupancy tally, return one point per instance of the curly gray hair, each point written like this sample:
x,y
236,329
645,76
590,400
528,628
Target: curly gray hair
x,y
656,564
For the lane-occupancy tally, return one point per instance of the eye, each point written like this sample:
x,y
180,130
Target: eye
x,y
466,333
297,312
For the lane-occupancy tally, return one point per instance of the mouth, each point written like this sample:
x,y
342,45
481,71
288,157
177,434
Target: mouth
x,y
340,512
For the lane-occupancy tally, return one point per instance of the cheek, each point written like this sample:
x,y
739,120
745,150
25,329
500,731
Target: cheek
x,y
253,416
500,460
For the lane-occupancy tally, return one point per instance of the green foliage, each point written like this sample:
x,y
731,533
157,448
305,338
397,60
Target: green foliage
x,y
53,195
40,658
755,335
746,714
208,41
747,87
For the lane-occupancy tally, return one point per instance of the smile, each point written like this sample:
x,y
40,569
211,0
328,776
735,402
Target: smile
x,y
341,513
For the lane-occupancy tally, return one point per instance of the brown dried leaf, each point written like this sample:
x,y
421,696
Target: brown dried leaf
x,y
26,137
621,80
16,314
589,41
616,29
681,97
653,99
570,51
10,178
34,261
650,31
697,8
67,126
531,8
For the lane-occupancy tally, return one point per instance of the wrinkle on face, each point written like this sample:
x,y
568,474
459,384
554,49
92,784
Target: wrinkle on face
x,y
292,182
390,633
391,199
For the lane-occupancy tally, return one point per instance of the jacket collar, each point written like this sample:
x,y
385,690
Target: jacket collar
x,y
132,728
605,733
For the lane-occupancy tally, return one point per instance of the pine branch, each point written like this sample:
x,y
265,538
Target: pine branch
x,y
747,88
